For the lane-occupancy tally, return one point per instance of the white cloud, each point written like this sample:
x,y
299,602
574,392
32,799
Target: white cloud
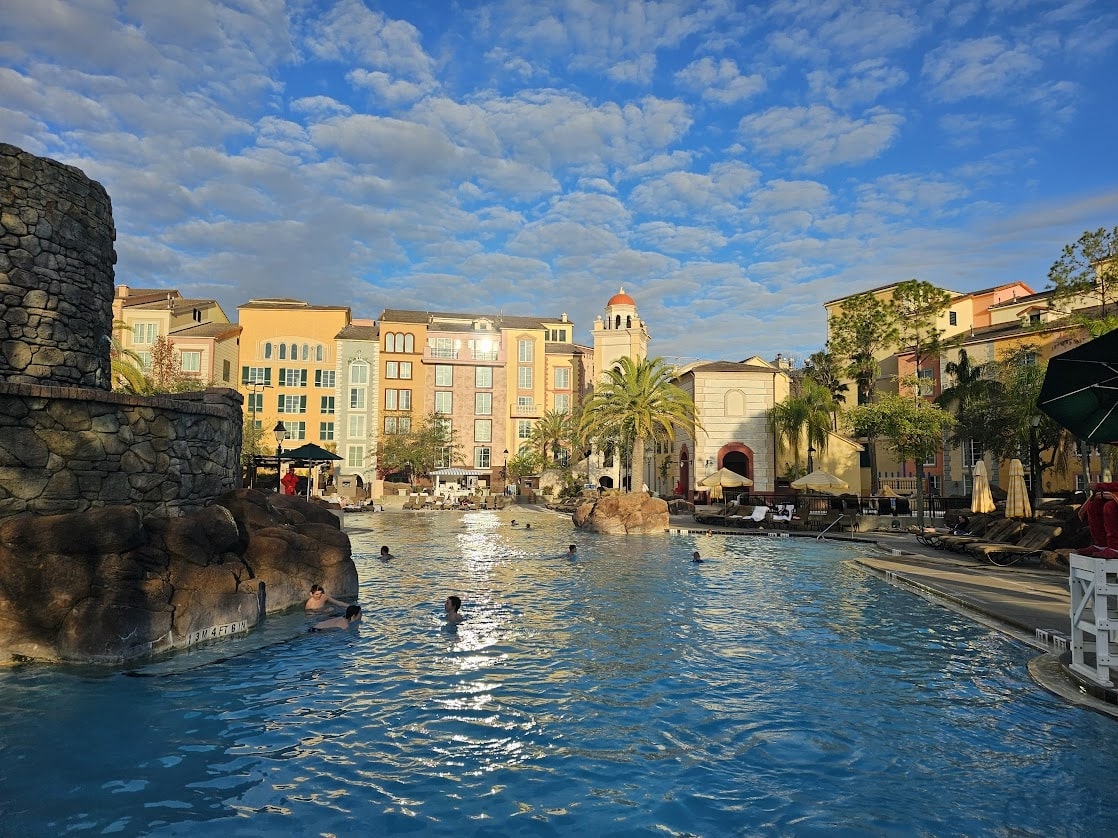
x,y
979,67
720,82
818,138
858,85
349,31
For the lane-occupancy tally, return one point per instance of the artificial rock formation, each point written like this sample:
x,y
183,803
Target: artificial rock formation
x,y
621,514
108,585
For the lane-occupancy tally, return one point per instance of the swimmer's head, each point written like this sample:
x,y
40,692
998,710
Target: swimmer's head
x,y
353,612
454,602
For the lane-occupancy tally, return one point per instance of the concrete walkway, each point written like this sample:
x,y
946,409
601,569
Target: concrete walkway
x,y
1030,603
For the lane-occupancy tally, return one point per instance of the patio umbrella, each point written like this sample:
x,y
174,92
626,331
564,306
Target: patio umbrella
x,y
310,454
820,481
725,478
888,492
1017,501
981,501
1080,389
716,493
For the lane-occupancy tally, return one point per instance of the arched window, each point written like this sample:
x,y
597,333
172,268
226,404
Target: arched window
x,y
628,322
268,350
294,352
318,353
388,337
409,342
306,352
283,351
618,326
399,343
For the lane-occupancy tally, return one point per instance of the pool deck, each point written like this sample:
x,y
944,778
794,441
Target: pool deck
x,y
1028,602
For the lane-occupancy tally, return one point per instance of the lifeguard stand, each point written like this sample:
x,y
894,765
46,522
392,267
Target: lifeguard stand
x,y
1094,617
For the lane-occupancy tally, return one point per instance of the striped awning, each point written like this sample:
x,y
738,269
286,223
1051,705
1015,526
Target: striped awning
x,y
460,472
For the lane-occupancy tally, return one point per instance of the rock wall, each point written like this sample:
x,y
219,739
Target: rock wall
x,y
621,514
56,273
110,586
66,449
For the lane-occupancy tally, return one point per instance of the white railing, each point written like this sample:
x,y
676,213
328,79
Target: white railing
x,y
1094,617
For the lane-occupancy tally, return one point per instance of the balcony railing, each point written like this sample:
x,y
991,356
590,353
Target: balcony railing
x,y
525,411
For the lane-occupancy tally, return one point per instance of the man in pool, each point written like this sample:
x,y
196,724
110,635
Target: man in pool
x,y
451,607
385,555
695,557
572,552
319,601
352,615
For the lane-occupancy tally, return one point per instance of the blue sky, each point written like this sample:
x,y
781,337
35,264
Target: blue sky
x,y
732,165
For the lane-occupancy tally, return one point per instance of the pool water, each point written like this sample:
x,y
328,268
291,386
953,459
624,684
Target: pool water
x,y
775,689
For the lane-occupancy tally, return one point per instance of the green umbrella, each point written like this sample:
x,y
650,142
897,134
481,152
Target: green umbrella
x,y
1080,389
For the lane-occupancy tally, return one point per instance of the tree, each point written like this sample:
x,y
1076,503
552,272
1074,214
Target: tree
x,y
126,367
551,434
913,427
918,305
420,450
1089,269
637,403
806,414
824,369
865,328
973,395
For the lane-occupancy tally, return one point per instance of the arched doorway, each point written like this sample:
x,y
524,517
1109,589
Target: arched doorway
x,y
685,475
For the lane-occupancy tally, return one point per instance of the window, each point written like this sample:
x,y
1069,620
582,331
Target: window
x,y
359,373
268,351
327,405
145,333
524,351
325,378
444,375
226,370
356,429
483,430
525,404
306,352
972,453
483,376
319,353
256,375
294,352
392,369
444,401
485,349
523,428
357,398
442,348
557,335
931,461
397,399
927,383
562,378
562,402
355,456
292,404
145,359
397,424
483,457
292,378
483,404
191,361
952,318
295,430
326,431
255,402
405,369
283,351
524,378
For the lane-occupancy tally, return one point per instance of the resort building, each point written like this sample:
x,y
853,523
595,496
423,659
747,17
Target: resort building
x,y
350,404
202,341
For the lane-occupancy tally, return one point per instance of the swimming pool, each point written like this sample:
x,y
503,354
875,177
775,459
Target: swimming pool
x,y
773,690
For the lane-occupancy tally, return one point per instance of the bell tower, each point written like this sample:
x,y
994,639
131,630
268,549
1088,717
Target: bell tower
x,y
619,333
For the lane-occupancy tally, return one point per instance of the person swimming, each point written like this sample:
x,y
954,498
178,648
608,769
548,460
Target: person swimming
x,y
352,615
319,600
695,557
572,551
451,607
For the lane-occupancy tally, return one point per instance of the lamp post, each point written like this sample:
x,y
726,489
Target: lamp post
x,y
810,459
505,473
1034,458
252,385
281,434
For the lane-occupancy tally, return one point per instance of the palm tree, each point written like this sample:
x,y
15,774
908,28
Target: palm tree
x,y
125,365
805,414
823,368
638,402
971,394
551,434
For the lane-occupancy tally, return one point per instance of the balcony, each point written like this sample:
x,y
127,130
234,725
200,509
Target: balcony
x,y
524,410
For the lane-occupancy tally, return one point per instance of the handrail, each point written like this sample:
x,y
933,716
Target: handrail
x,y
830,525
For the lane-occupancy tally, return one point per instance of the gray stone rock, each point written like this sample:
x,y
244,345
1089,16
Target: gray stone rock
x,y
622,514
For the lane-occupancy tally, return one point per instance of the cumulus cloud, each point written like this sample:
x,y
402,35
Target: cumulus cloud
x,y
978,68
720,82
817,137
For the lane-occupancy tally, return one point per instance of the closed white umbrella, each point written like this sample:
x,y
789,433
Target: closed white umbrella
x,y
981,501
1017,498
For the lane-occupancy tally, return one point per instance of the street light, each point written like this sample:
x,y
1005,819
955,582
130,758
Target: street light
x,y
810,461
252,385
281,434
1034,458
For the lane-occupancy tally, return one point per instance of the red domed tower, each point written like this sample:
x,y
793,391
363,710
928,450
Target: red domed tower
x,y
620,332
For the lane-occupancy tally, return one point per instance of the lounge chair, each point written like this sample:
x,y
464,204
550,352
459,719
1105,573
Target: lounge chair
x,y
976,528
752,520
1001,531
1036,540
